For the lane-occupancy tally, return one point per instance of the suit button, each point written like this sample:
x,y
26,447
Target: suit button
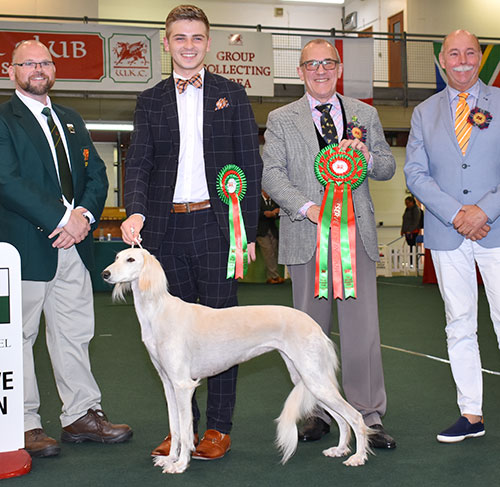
x,y
464,166
466,191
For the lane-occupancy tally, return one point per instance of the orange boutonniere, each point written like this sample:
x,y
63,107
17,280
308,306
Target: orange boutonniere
x,y
86,157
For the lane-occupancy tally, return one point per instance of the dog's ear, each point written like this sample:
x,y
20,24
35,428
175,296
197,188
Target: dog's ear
x,y
152,279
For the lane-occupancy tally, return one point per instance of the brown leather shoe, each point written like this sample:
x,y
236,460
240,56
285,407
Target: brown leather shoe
x,y
94,426
38,444
163,449
213,445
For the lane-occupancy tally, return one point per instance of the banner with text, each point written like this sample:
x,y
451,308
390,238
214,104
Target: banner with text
x,y
356,55
89,57
244,57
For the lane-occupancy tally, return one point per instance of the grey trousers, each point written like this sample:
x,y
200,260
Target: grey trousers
x,y
68,305
362,372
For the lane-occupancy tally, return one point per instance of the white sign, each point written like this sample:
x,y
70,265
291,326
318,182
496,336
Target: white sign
x,y
11,351
243,57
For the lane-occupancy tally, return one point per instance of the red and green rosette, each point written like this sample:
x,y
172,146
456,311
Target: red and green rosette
x,y
340,171
232,186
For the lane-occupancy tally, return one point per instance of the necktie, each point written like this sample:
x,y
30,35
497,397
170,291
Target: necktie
x,y
182,84
327,125
62,159
463,128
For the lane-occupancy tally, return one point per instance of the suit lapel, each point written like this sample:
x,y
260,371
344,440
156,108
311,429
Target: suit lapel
x,y
35,136
483,102
169,109
446,119
210,97
77,170
305,125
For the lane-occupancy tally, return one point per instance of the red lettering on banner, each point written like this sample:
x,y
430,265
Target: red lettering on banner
x,y
78,56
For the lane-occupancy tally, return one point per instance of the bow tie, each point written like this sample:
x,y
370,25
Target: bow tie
x,y
182,84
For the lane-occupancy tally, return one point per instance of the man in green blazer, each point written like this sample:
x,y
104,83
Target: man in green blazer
x,y
53,186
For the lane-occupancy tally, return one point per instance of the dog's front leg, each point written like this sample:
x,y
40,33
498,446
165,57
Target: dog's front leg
x,y
183,441
165,462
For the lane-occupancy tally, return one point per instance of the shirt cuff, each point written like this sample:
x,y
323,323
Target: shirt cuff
x,y
303,210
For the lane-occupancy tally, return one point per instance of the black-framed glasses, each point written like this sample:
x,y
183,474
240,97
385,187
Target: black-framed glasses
x,y
314,64
33,65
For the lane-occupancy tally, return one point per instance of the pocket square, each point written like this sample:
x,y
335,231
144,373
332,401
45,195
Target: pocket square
x,y
221,103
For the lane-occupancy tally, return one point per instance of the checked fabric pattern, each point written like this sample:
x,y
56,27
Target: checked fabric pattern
x,y
463,128
62,159
182,84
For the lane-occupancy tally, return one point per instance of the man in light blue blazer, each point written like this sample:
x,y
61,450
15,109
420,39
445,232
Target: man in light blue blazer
x,y
457,178
293,139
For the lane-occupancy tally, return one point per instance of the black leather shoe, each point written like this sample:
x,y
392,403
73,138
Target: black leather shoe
x,y
380,438
313,429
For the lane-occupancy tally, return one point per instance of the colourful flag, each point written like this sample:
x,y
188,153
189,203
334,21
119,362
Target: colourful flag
x,y
489,70
4,296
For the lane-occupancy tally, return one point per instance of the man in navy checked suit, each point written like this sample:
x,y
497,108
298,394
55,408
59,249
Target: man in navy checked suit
x,y
186,129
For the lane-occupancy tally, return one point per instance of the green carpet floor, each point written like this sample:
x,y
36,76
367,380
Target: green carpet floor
x,y
421,402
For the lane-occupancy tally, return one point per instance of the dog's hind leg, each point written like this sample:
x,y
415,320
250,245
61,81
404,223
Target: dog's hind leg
x,y
343,412
342,449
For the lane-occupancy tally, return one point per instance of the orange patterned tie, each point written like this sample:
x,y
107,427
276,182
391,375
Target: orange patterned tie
x,y
462,127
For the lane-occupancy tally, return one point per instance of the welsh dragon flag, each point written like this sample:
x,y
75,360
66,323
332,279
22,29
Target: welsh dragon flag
x,y
489,70
4,296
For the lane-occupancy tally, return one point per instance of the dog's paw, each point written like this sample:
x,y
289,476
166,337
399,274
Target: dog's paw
x,y
356,460
170,464
336,452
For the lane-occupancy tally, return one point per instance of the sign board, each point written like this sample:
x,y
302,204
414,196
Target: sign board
x,y
89,57
244,57
11,351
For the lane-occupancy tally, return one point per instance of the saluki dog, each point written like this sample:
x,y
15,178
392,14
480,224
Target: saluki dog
x,y
188,342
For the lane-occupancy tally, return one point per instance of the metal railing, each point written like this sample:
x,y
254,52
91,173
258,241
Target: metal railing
x,y
414,52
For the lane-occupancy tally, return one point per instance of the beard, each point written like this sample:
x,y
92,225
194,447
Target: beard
x,y
40,88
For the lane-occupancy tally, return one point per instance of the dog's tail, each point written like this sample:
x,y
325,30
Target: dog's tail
x,y
299,404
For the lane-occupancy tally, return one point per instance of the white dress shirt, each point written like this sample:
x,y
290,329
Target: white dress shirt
x,y
191,184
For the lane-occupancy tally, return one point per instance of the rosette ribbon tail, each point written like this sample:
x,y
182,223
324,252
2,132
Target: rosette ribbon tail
x,y
325,216
348,244
237,263
336,233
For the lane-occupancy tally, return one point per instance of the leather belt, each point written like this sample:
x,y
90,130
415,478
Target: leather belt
x,y
190,207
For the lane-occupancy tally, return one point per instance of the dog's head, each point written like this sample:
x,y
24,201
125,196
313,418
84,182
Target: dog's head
x,y
135,265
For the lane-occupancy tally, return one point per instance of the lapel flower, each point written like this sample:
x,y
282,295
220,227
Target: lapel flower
x,y
86,157
356,131
480,118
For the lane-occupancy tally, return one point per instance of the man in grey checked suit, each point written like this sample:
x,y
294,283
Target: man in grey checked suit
x,y
293,139
460,188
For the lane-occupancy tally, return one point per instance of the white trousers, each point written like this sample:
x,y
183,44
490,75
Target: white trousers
x,y
68,306
456,275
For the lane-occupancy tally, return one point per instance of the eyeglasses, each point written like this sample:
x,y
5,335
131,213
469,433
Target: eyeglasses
x,y
33,65
314,64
